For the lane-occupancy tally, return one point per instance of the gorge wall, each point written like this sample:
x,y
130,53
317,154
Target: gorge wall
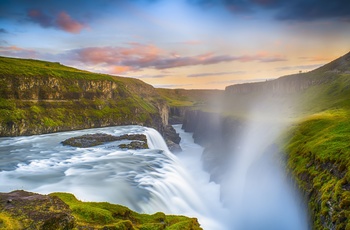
x,y
42,97
314,147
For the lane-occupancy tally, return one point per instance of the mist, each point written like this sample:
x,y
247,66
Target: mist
x,y
255,188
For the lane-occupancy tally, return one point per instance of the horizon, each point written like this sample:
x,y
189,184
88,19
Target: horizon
x,y
185,44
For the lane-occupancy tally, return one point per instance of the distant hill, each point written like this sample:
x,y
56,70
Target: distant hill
x,y
42,97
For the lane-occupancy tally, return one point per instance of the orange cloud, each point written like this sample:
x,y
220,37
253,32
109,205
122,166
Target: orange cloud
x,y
120,69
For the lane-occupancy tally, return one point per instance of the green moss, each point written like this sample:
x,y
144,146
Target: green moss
x,y
8,222
318,155
102,214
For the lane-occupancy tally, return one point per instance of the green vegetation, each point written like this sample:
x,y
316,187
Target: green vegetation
x,y
319,157
8,222
104,215
41,97
37,68
318,146
189,98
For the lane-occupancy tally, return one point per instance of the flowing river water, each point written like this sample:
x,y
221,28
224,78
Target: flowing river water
x,y
146,181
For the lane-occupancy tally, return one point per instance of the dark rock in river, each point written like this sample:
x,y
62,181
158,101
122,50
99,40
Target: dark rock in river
x,y
134,145
89,140
172,139
173,147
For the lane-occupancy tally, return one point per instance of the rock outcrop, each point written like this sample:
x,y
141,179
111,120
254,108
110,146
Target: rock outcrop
x,y
172,139
139,141
219,135
26,210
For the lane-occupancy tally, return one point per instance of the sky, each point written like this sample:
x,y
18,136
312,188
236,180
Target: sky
x,y
191,44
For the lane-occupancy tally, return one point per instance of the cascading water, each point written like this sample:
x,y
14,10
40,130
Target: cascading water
x,y
154,179
147,181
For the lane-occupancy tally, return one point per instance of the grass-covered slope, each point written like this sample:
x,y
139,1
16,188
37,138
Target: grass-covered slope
x,y
41,97
25,210
319,158
105,215
318,146
189,98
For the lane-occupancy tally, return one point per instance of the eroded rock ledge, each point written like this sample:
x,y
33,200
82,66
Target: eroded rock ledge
x,y
139,141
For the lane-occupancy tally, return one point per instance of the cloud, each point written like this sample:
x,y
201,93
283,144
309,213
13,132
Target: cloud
x,y
191,42
303,10
3,31
41,18
316,59
139,56
62,21
15,51
119,69
299,67
66,23
152,76
262,57
314,9
240,81
215,74
173,86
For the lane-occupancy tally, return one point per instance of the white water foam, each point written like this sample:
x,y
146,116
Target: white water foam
x,y
147,181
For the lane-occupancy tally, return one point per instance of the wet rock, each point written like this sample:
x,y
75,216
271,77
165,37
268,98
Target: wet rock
x,y
134,145
173,147
172,139
89,140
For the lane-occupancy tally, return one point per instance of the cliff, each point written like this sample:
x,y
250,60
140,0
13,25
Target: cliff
x,y
42,97
26,210
316,144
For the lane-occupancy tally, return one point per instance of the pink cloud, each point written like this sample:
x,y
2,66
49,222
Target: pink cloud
x,y
62,21
139,56
15,51
66,23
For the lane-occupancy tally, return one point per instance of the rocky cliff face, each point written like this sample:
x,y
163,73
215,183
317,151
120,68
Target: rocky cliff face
x,y
177,114
219,137
59,98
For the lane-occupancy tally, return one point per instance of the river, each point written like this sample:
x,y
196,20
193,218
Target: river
x,y
147,181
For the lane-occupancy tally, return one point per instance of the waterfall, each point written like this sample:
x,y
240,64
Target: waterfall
x,y
147,180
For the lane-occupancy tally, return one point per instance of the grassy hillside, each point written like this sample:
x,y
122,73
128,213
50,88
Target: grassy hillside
x,y
318,149
105,215
41,97
189,98
26,210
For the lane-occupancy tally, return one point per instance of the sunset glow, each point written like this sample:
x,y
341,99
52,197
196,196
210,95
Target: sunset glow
x,y
179,44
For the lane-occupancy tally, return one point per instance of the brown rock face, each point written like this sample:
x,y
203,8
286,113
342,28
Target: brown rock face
x,y
26,210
